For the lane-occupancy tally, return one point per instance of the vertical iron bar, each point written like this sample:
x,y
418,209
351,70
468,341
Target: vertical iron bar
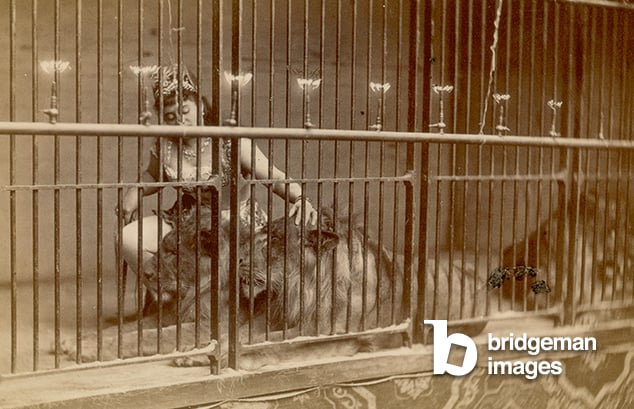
x,y
337,83
56,205
234,279
302,241
627,239
322,53
489,219
179,190
466,184
621,134
519,95
121,277
583,222
398,52
414,51
251,241
465,154
611,228
544,73
335,187
288,64
286,165
254,61
381,197
78,192
483,49
612,135
159,194
272,38
518,126
419,43
457,49
395,241
99,181
533,72
286,243
353,28
602,128
12,194
470,17
269,190
199,122
234,237
439,218
514,216
366,197
478,233
595,154
140,108
470,21
215,197
302,236
569,200
35,194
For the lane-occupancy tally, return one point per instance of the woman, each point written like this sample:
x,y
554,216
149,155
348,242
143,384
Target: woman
x,y
179,161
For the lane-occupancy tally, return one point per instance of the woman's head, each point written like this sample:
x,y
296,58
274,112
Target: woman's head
x,y
167,91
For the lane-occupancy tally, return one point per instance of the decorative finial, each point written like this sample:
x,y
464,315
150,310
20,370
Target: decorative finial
x,y
555,106
307,85
380,90
142,72
54,67
237,81
501,100
441,90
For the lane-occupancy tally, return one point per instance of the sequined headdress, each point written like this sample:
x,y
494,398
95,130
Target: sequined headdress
x,y
169,76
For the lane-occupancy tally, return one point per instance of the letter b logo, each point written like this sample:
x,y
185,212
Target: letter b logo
x,y
442,346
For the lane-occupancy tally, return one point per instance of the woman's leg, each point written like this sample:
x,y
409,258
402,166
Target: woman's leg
x,y
149,242
149,246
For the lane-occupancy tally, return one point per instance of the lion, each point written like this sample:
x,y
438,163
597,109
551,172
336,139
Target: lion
x,y
191,262
368,280
315,280
306,266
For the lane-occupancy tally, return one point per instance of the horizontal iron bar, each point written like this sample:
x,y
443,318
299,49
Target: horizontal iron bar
x,y
210,183
497,178
132,130
209,349
408,177
215,182
394,329
599,3
552,312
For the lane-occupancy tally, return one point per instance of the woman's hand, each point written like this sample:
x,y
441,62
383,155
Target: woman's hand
x,y
309,212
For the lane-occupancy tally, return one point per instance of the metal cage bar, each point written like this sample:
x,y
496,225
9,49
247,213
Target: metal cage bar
x,y
592,163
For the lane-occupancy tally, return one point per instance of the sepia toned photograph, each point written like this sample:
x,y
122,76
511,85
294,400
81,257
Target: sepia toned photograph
x,y
316,204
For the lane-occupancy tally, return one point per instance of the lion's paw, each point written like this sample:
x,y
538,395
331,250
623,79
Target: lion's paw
x,y
191,361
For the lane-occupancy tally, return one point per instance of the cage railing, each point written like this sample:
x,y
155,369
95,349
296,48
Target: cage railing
x,y
578,180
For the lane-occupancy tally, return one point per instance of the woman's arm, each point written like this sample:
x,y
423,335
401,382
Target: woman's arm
x,y
130,201
260,170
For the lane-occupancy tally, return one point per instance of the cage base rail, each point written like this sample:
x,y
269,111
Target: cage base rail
x,y
403,328
211,350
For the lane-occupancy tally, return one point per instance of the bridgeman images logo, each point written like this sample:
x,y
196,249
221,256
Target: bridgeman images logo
x,y
529,368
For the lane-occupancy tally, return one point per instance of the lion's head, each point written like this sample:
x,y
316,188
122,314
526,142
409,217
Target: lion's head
x,y
302,271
